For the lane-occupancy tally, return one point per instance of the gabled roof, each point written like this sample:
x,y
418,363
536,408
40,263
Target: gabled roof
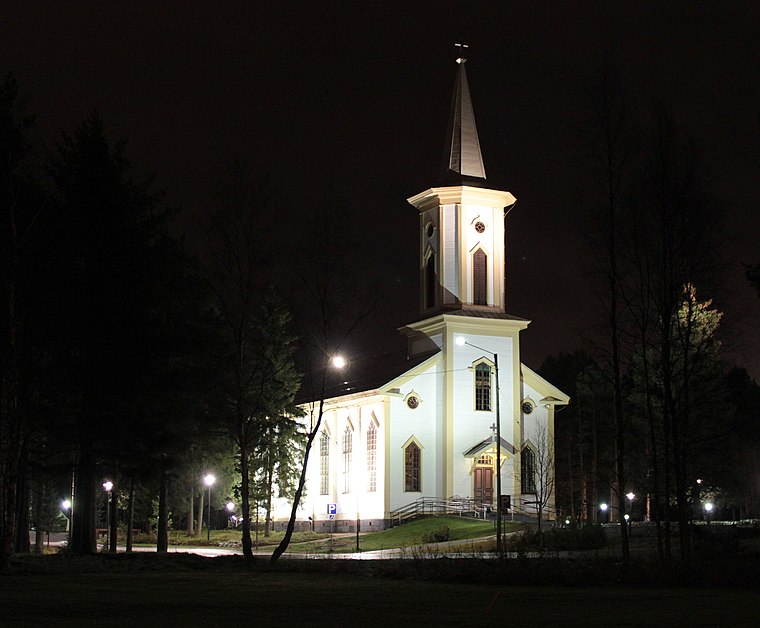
x,y
369,372
551,394
462,157
486,444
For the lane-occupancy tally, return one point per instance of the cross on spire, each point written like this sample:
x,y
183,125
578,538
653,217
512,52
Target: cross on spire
x,y
461,45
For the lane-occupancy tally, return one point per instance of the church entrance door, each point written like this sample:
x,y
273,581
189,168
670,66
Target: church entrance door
x,y
483,485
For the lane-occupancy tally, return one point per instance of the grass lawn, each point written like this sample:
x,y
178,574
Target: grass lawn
x,y
408,535
217,592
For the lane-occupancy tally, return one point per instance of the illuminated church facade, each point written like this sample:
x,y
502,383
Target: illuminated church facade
x,y
425,431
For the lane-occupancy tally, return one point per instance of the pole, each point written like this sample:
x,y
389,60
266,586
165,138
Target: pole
x,y
108,520
498,459
208,518
113,530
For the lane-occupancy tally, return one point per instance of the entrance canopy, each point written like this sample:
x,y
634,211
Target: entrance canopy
x,y
487,444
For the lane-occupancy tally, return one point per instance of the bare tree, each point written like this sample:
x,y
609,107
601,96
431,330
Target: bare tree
x,y
336,306
545,472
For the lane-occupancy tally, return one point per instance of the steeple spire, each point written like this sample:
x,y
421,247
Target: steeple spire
x,y
463,161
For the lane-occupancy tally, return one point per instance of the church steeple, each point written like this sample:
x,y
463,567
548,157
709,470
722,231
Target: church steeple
x,y
462,159
462,224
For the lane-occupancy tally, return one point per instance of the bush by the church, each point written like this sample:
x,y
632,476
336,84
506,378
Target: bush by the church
x,y
572,539
439,535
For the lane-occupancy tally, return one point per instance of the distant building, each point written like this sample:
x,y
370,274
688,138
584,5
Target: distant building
x,y
421,425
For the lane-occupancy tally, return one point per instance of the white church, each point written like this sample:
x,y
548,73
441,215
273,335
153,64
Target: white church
x,y
424,436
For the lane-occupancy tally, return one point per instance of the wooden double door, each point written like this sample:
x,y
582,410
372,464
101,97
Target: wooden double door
x,y
483,485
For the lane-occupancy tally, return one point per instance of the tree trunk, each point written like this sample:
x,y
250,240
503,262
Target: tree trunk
x,y
191,514
131,515
270,477
280,549
199,527
245,499
162,534
83,540
23,525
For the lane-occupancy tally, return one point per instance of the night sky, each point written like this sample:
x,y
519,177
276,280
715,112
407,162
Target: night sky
x,y
343,100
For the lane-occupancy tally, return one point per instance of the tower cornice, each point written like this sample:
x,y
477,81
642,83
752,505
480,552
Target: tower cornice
x,y
461,194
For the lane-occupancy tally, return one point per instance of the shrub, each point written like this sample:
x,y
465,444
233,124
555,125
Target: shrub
x,y
438,535
560,539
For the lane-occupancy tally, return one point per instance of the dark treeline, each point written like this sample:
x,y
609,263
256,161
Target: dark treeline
x,y
656,410
124,359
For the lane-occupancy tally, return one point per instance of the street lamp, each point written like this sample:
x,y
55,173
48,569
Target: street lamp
x,y
630,497
108,487
230,509
603,507
461,341
209,480
708,510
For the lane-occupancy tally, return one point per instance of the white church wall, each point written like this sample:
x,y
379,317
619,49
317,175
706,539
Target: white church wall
x,y
418,424
357,414
472,426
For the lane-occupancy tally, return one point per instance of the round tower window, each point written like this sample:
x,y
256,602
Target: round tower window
x,y
480,227
413,402
527,407
429,229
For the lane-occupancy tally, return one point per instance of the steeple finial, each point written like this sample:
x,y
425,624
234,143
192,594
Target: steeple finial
x,y
462,158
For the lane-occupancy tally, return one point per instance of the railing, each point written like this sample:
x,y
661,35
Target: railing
x,y
462,506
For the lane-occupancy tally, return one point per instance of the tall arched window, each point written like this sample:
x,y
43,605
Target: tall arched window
x,y
479,278
482,387
347,455
528,470
324,464
431,284
412,467
371,458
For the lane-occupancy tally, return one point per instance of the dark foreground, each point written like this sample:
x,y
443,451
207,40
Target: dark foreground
x,y
193,591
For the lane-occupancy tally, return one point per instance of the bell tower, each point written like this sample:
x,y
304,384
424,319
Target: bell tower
x,y
462,221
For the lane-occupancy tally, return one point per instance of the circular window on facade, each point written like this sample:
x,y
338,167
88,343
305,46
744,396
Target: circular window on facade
x,y
429,229
412,402
527,407
480,227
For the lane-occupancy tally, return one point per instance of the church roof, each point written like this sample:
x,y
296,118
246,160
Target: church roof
x,y
363,373
463,161
475,313
486,444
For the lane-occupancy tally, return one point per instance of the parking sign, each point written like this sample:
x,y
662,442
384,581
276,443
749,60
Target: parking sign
x,y
332,509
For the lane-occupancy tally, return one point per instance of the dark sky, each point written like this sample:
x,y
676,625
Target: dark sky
x,y
348,100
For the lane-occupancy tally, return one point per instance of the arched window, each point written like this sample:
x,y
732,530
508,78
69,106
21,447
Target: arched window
x,y
371,458
347,455
482,387
479,278
412,467
528,470
431,283
324,464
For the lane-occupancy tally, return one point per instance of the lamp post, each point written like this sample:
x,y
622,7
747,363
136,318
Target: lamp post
x,y
603,507
230,506
209,480
461,341
108,487
630,497
708,510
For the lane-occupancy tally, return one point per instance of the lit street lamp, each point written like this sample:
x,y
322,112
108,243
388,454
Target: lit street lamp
x,y
630,497
708,510
603,507
209,480
108,487
461,341
230,509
